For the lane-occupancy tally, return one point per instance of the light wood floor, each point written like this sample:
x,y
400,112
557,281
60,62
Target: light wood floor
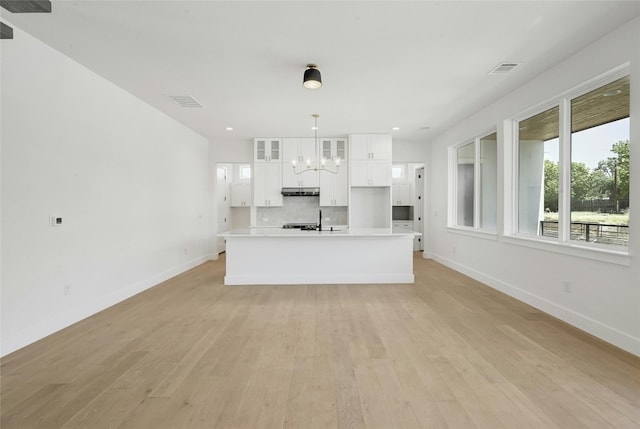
x,y
446,352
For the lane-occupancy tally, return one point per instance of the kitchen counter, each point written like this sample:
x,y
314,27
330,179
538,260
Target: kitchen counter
x,y
271,255
326,232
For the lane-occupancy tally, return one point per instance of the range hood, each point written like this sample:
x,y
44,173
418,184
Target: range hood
x,y
301,192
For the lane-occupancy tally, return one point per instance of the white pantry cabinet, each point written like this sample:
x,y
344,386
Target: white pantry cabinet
x,y
267,150
299,150
267,184
240,194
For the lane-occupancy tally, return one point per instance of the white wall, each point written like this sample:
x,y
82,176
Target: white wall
x,y
605,297
130,183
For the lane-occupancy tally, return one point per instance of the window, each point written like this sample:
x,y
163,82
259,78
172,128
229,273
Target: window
x,y
537,174
573,180
600,165
476,183
465,177
245,172
397,172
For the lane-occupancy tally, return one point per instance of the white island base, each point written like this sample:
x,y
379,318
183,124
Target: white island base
x,y
267,257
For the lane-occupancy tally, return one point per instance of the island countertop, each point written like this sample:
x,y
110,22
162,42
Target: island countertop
x,y
338,231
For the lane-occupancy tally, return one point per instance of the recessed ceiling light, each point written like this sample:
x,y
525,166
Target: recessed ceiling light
x,y
395,128
229,128
612,93
314,128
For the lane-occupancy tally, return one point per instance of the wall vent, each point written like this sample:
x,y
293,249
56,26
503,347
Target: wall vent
x,y
503,68
185,100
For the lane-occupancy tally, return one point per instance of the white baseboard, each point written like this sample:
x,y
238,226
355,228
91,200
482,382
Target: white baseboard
x,y
604,332
36,332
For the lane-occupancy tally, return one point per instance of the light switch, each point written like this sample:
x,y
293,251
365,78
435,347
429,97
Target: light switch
x,y
56,220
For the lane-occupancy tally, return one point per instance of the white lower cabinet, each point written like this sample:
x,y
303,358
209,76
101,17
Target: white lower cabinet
x,y
406,226
267,184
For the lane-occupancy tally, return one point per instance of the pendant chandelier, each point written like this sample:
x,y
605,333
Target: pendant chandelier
x,y
320,163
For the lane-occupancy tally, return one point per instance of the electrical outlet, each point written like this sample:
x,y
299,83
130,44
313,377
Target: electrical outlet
x,y
66,290
567,286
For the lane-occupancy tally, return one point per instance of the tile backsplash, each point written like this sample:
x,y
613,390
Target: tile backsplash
x,y
300,210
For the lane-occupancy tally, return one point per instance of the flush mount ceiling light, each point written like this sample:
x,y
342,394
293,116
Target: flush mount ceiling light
x,y
312,78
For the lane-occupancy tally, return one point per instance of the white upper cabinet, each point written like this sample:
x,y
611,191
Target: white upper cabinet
x,y
370,173
267,184
240,194
402,194
334,188
371,146
267,150
302,151
334,149
370,159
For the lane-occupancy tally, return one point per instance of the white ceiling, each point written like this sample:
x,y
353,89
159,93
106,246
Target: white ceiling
x,y
384,64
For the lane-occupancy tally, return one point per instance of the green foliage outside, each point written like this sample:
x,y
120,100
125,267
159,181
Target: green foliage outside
x,y
609,180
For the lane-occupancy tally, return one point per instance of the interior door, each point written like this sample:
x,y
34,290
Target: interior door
x,y
418,216
223,205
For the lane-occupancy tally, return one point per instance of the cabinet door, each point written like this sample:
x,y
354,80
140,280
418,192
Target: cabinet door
x,y
401,194
267,190
327,184
274,150
326,146
307,149
380,146
359,146
274,183
379,173
267,150
359,173
341,186
260,150
240,195
341,150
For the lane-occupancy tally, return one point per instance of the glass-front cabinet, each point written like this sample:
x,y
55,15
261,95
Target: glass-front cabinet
x,y
267,150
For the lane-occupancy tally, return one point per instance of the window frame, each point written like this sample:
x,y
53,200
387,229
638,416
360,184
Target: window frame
x,y
452,218
562,244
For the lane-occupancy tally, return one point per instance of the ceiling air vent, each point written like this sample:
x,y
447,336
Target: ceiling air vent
x,y
503,68
185,100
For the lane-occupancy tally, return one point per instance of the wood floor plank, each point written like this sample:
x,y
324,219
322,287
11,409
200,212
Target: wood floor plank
x,y
445,352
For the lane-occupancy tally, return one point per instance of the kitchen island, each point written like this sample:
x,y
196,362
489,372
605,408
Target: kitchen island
x,y
280,256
